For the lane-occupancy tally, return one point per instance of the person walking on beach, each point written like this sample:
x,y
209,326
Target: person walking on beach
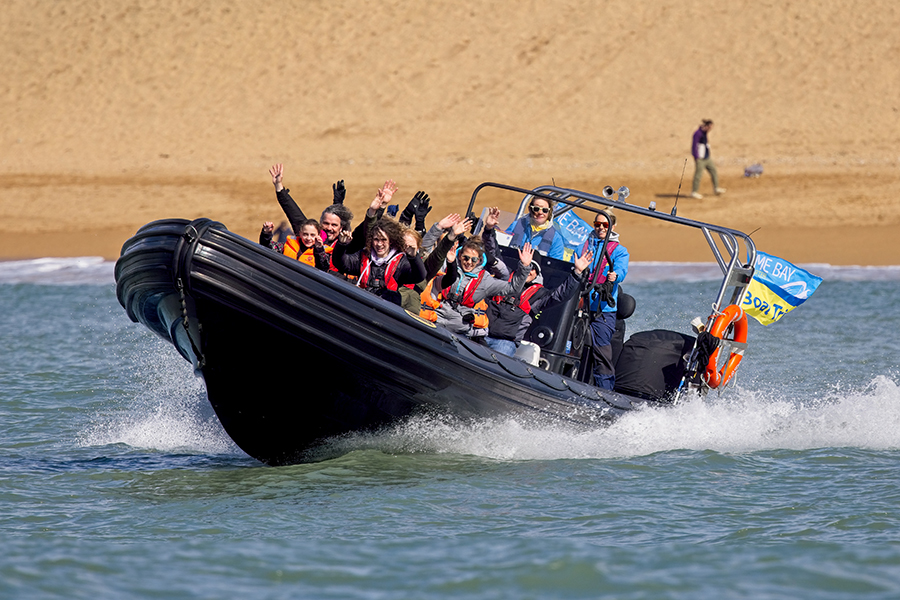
x,y
703,160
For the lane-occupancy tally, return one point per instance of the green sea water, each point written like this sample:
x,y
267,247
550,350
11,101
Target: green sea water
x,y
116,480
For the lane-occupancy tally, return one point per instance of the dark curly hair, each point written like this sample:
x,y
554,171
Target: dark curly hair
x,y
392,229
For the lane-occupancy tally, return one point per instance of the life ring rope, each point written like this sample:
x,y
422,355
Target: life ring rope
x,y
731,315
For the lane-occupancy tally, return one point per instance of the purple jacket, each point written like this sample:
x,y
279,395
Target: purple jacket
x,y
699,146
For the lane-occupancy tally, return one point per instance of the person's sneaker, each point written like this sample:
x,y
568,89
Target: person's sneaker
x,y
697,195
720,191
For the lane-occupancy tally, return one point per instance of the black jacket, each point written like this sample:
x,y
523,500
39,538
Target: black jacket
x,y
507,317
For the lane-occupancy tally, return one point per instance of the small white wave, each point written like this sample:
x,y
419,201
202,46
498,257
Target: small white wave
x,y
747,422
686,271
83,270
168,413
167,427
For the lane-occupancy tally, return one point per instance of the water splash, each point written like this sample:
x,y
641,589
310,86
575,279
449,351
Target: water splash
x,y
169,412
746,422
181,426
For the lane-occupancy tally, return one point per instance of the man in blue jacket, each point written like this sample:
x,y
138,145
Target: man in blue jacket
x,y
607,272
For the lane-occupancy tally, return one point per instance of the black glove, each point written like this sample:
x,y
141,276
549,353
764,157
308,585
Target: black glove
x,y
422,212
472,217
468,318
605,292
392,210
340,192
409,212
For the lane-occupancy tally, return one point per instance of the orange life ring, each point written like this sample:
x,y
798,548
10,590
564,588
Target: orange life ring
x,y
732,314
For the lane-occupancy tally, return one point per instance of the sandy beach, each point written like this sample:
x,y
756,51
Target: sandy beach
x,y
116,115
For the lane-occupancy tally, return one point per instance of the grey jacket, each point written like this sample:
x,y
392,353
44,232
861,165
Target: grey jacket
x,y
450,314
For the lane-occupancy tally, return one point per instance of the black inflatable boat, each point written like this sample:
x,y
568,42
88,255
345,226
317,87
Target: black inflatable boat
x,y
247,318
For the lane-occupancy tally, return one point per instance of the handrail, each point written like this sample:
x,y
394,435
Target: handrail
x,y
730,267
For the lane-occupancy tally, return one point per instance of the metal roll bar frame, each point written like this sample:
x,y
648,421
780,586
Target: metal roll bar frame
x,y
735,273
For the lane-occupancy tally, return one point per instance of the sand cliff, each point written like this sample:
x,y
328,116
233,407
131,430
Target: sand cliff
x,y
119,113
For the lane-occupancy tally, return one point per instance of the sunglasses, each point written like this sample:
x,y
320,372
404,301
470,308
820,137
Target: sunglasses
x,y
599,224
468,259
540,209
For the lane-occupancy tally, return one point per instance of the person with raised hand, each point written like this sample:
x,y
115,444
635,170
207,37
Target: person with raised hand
x,y
436,260
334,219
457,298
386,262
510,315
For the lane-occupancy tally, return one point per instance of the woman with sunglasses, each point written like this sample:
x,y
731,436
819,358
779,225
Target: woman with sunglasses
x,y
607,271
458,297
536,228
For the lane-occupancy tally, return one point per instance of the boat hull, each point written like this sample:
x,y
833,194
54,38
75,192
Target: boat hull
x,y
292,356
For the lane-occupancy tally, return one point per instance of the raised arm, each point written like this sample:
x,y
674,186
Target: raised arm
x,y
436,258
293,213
568,288
491,249
265,234
416,271
382,198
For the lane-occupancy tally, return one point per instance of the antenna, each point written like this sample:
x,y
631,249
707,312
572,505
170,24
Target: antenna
x,y
678,193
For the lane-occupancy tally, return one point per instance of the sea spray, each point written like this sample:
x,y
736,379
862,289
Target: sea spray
x,y
744,421
165,410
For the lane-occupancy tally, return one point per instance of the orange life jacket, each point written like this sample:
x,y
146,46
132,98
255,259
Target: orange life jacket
x,y
431,303
292,248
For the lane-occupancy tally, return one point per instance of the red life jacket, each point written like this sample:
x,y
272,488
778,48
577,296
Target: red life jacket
x,y
525,299
597,276
468,300
329,250
389,281
468,294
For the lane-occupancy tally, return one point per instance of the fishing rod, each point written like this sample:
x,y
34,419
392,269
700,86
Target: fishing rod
x,y
674,212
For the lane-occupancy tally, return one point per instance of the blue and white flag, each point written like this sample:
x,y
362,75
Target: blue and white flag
x,y
574,231
777,288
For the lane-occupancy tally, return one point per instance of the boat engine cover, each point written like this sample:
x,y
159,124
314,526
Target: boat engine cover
x,y
652,364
